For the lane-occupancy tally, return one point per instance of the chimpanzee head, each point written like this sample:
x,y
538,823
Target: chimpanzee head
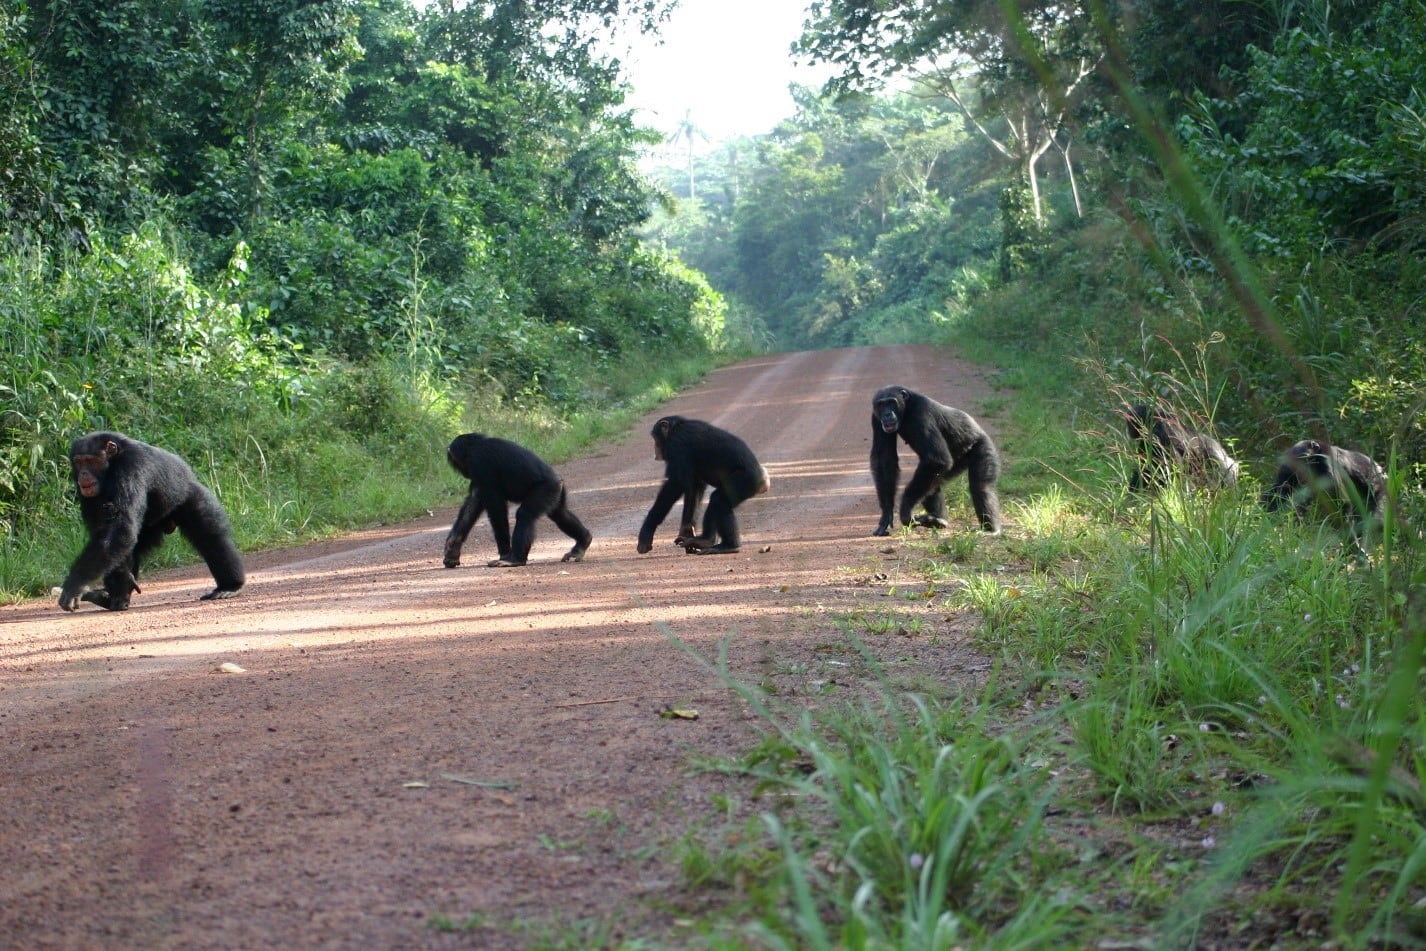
x,y
661,432
888,406
90,455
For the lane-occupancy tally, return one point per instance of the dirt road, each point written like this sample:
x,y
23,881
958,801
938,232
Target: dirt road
x,y
407,741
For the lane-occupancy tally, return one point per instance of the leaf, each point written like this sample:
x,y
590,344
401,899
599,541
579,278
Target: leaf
x,y
482,783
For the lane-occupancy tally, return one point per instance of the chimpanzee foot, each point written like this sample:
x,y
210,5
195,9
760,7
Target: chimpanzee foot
x,y
706,546
105,600
220,594
930,521
575,554
504,563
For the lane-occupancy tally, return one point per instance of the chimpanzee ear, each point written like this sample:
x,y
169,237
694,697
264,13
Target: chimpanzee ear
x,y
111,449
665,427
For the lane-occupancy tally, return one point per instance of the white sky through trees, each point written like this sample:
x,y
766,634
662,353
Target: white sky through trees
x,y
724,62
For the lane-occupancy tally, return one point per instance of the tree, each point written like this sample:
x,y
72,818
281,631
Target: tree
x,y
276,58
1017,79
688,132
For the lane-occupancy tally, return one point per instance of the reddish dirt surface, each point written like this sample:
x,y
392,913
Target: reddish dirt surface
x,y
153,801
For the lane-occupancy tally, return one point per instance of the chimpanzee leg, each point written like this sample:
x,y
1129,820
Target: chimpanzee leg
x,y
983,472
540,501
204,524
465,519
570,524
499,514
925,481
688,528
720,528
935,515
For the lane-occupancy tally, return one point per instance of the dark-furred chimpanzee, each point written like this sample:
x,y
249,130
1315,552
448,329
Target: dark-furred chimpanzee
x,y
947,441
132,494
501,472
1164,445
697,455
1342,483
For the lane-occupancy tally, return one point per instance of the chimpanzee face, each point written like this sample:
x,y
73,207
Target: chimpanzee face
x,y
887,411
89,468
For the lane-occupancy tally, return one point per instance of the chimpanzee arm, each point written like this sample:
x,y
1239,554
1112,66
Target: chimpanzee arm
x,y
111,545
691,500
465,521
885,471
663,504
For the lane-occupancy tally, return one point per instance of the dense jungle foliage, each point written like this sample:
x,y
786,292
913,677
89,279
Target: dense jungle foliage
x,y
1220,203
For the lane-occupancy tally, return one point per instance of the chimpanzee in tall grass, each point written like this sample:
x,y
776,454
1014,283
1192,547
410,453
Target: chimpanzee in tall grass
x,y
947,442
501,472
130,496
697,455
1164,446
1340,484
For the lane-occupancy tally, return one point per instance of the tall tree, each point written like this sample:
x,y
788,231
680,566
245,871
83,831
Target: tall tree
x,y
688,133
1017,76
276,61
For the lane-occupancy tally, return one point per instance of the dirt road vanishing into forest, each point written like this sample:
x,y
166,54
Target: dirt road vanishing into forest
x,y
406,741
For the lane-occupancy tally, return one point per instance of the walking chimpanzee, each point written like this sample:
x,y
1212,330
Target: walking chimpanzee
x,y
697,455
948,442
1341,483
1163,445
501,472
131,495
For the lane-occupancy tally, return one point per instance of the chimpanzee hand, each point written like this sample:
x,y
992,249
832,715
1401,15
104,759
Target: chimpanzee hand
x,y
69,596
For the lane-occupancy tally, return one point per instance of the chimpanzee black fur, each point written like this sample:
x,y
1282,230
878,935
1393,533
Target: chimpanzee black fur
x,y
696,455
1342,483
501,472
948,442
1165,445
131,495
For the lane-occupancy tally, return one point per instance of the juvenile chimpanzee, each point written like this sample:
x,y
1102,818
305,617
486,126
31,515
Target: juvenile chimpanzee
x,y
947,442
1345,484
132,494
696,455
500,472
1164,444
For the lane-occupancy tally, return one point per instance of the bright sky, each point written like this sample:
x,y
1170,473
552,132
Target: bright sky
x,y
725,60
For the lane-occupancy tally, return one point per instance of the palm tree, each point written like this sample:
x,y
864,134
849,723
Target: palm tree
x,y
687,130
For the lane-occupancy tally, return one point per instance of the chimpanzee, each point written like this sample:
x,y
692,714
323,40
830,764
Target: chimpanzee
x,y
1164,444
947,442
132,494
500,472
696,455
1345,483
